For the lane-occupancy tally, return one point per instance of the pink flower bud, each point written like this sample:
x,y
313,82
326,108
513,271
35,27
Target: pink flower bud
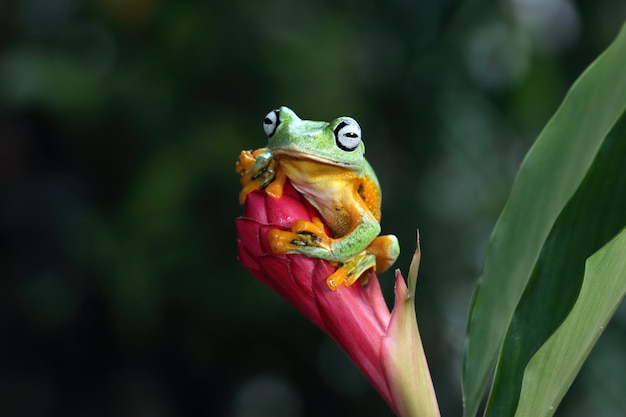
x,y
385,346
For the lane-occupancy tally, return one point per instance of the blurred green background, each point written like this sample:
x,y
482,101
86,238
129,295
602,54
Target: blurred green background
x,y
120,122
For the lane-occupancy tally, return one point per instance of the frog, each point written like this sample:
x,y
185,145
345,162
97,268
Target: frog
x,y
325,162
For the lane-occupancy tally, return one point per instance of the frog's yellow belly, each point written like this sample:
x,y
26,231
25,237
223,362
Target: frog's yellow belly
x,y
341,195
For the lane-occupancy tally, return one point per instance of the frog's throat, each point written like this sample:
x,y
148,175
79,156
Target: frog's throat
x,y
329,188
286,154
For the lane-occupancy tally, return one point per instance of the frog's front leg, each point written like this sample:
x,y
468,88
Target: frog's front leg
x,y
259,171
306,237
311,239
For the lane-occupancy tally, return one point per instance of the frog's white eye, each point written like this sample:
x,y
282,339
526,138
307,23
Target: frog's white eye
x,y
271,122
348,135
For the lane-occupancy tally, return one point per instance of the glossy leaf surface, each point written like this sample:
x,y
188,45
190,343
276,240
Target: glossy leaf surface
x,y
595,214
554,366
551,174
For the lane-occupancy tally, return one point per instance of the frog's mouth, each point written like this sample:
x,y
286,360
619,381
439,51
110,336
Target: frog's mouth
x,y
295,155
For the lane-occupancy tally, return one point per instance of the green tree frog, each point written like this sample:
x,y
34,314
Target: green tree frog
x,y
325,162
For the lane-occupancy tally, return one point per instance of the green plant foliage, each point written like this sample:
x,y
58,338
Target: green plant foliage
x,y
120,122
550,372
591,218
531,246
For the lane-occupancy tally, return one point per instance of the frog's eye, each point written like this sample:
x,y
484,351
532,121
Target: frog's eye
x,y
271,122
348,135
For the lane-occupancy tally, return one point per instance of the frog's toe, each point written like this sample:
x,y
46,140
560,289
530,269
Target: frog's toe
x,y
337,278
315,226
306,243
245,162
259,171
282,241
348,273
275,187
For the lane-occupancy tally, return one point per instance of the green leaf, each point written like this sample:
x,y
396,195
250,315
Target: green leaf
x,y
548,178
553,368
594,215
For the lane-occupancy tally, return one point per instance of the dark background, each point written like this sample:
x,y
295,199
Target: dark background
x,y
120,122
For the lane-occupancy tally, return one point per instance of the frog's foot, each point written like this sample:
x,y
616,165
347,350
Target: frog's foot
x,y
348,273
306,237
275,188
380,255
246,161
259,171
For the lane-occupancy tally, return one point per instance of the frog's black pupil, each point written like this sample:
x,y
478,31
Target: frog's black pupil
x,y
349,134
272,120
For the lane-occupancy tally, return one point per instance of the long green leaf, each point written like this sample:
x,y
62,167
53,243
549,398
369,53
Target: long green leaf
x,y
552,171
594,215
552,370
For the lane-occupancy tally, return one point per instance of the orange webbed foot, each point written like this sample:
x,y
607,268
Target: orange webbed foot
x,y
259,171
304,234
350,272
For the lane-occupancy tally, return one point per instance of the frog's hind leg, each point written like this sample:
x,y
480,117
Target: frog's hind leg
x,y
380,255
350,271
386,249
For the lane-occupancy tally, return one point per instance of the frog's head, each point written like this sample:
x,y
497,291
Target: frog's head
x,y
336,143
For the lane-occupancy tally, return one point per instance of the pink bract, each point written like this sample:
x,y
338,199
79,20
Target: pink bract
x,y
356,318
